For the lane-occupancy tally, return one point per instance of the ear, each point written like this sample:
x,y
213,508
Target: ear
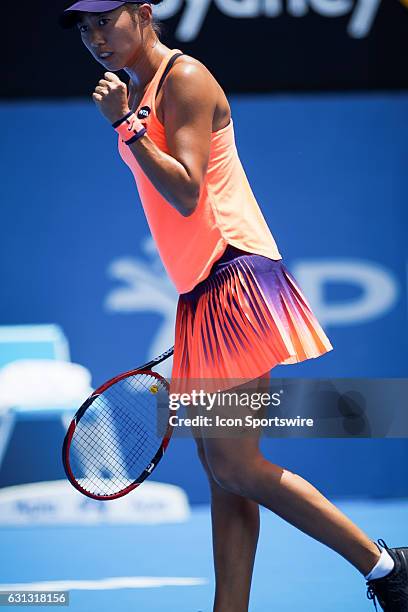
x,y
145,14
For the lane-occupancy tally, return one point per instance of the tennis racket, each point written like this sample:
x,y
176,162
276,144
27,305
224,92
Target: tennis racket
x,y
119,434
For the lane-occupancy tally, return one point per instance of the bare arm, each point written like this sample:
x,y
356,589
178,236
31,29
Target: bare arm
x,y
188,107
189,101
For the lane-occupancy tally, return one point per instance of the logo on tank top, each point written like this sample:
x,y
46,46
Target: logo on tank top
x,y
144,112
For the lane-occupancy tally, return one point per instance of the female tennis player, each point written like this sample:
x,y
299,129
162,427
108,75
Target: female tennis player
x,y
240,311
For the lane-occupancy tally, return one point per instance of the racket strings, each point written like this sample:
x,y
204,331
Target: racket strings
x,y
93,443
119,434
116,463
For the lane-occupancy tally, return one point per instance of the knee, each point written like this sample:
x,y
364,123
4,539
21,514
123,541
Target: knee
x,y
221,471
231,475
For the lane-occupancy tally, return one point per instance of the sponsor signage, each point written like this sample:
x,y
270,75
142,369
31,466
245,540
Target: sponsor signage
x,y
57,502
250,46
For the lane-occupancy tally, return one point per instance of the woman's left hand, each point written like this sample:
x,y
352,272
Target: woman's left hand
x,y
110,96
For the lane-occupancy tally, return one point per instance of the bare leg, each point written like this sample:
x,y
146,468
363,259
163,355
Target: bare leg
x,y
238,466
235,526
235,529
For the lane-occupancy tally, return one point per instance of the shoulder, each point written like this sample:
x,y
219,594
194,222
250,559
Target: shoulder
x,y
189,78
186,64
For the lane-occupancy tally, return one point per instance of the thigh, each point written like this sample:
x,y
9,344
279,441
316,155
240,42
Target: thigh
x,y
236,446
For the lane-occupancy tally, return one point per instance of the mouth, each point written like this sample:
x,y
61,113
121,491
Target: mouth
x,y
105,55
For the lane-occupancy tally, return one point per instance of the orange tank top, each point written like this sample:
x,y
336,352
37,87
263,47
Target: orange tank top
x,y
227,211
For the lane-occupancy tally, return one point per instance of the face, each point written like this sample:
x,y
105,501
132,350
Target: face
x,y
113,38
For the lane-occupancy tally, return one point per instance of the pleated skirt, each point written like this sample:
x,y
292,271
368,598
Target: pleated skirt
x,y
246,317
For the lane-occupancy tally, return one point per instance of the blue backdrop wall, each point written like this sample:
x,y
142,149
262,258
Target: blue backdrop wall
x,y
330,175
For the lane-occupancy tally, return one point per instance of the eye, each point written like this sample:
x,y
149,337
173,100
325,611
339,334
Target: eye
x,y
82,28
102,21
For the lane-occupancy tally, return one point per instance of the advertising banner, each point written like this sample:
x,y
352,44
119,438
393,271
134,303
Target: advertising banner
x,y
249,45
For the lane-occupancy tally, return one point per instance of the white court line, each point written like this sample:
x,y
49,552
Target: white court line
x,y
126,582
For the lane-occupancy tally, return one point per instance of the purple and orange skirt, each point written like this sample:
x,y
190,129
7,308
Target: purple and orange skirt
x,y
246,317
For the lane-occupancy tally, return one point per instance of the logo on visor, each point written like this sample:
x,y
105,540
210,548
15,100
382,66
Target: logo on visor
x,y
144,112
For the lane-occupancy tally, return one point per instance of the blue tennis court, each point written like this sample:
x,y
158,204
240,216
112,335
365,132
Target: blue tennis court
x,y
169,567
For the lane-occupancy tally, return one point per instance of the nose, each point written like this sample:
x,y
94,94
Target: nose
x,y
96,39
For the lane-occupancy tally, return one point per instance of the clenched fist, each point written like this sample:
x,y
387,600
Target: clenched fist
x,y
110,96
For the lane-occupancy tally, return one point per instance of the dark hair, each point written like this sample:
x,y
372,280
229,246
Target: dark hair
x,y
156,25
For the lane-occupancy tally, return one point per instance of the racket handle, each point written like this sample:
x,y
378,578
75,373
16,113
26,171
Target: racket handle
x,y
157,360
